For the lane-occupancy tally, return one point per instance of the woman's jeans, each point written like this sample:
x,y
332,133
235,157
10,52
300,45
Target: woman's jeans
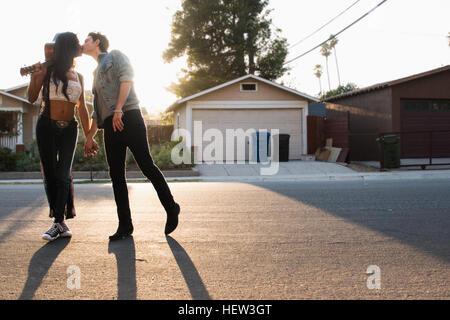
x,y
56,149
133,136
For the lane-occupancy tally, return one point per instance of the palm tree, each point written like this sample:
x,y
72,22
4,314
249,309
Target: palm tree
x,y
332,45
325,51
318,73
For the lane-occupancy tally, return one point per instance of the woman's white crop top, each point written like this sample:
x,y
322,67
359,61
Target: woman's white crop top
x,y
73,90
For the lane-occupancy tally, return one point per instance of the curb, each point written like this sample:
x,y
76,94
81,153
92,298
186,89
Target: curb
x,y
95,174
367,176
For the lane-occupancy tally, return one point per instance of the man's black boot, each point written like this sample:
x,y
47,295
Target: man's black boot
x,y
172,219
123,231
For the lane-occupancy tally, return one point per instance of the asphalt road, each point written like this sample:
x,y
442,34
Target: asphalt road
x,y
264,240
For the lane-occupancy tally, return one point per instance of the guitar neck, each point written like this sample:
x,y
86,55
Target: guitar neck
x,y
30,69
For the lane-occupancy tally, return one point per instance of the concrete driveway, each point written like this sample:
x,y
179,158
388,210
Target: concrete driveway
x,y
296,167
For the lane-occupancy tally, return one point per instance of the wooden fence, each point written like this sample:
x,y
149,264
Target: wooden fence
x,y
158,133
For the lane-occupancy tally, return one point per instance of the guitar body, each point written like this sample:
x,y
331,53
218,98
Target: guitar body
x,y
49,52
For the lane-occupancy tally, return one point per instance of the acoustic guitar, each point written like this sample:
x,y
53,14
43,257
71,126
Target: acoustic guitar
x,y
49,51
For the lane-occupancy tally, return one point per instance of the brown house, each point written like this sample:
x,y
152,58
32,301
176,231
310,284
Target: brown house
x,y
416,107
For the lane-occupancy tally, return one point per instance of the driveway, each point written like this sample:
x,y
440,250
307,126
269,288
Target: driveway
x,y
296,167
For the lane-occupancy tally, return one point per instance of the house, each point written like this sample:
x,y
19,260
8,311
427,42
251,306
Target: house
x,y
248,102
18,118
416,107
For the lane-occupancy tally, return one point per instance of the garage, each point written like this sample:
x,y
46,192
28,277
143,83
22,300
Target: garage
x,y
428,122
241,108
285,120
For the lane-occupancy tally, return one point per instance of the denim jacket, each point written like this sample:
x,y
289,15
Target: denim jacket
x,y
113,68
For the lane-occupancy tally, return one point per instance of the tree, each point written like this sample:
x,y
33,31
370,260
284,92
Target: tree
x,y
166,117
223,40
339,90
325,51
318,73
332,45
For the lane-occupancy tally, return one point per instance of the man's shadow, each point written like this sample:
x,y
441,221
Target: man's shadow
x,y
191,276
40,263
125,253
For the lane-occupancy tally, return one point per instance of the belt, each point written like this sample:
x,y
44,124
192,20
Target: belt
x,y
62,123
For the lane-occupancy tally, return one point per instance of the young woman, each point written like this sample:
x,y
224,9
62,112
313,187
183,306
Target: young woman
x,y
62,90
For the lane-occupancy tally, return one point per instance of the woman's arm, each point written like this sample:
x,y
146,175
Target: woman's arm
x,y
82,110
36,81
91,147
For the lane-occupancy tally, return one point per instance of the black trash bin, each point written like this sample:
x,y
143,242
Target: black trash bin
x,y
390,147
284,147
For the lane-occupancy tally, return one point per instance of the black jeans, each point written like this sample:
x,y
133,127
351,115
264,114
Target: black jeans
x,y
133,136
56,149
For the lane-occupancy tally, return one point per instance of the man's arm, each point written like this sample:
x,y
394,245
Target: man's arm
x,y
124,91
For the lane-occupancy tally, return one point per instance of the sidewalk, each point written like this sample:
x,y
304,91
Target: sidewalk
x,y
288,171
297,170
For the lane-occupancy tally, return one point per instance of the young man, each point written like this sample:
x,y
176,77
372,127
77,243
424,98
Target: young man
x,y
117,111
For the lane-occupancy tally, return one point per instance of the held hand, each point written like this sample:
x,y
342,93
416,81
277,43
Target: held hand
x,y
90,147
117,122
40,70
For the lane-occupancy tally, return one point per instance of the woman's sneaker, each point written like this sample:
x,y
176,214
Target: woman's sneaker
x,y
55,230
66,231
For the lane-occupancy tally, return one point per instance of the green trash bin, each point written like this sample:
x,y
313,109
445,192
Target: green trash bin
x,y
390,146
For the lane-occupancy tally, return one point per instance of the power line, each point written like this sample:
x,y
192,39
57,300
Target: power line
x,y
313,33
354,22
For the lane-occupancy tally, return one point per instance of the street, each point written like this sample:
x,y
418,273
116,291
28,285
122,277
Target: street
x,y
252,240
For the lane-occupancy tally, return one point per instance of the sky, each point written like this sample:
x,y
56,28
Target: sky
x,y
400,38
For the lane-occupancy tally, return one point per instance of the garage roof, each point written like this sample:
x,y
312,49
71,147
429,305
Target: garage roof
x,y
252,76
388,83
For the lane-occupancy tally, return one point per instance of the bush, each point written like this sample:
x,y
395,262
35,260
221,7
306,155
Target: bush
x,y
162,155
26,162
7,160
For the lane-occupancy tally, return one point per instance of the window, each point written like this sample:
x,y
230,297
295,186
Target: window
x,y
441,106
426,105
416,105
7,123
249,87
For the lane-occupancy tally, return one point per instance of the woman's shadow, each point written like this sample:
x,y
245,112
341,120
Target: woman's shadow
x,y
191,276
40,263
125,253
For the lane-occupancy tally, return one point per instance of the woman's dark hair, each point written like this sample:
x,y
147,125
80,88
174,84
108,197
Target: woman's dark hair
x,y
104,42
67,47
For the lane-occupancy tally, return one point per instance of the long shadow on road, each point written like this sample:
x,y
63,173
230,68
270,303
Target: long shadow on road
x,y
125,253
191,276
40,263
416,213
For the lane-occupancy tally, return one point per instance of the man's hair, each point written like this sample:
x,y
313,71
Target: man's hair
x,y
104,42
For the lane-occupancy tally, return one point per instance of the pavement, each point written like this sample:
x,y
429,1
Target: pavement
x,y
236,240
286,171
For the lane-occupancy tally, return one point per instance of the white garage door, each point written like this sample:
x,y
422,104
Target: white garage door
x,y
285,120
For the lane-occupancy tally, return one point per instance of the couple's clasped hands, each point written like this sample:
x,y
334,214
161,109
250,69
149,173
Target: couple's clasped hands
x,y
90,147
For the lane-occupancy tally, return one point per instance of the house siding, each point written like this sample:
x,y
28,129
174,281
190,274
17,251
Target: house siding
x,y
233,92
369,114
